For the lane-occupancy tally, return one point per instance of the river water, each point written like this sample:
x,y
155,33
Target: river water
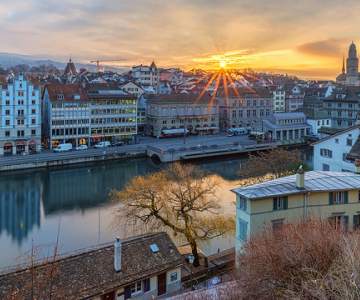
x,y
73,205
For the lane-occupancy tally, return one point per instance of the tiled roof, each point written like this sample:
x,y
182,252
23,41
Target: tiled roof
x,y
245,92
67,90
315,181
92,273
181,98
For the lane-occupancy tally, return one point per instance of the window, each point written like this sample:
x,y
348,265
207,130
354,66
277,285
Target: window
x,y
325,167
242,229
33,111
336,141
135,288
20,133
173,276
33,132
338,198
7,133
146,284
7,122
242,203
339,222
356,221
325,153
349,142
280,203
7,112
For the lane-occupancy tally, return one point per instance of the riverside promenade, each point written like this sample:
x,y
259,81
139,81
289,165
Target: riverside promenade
x,y
166,150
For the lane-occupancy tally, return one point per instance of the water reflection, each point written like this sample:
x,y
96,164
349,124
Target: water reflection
x,y
20,206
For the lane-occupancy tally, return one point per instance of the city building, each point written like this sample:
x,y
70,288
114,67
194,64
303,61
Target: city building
x,y
326,195
141,267
86,115
244,107
146,76
66,115
132,88
199,115
279,100
318,124
20,117
113,113
343,106
289,128
294,100
333,152
351,76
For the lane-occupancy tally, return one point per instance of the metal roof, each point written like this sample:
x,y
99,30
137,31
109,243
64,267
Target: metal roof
x,y
315,181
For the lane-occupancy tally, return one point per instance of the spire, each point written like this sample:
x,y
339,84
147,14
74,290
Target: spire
x,y
343,66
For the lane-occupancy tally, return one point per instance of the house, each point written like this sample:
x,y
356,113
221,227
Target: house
x,y
132,88
198,115
332,152
20,117
287,127
146,76
278,100
141,267
327,195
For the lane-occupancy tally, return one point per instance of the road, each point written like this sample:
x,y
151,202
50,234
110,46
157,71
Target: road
x,y
141,146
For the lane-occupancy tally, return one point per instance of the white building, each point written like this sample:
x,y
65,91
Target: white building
x,y
338,152
146,76
20,118
279,100
132,88
318,123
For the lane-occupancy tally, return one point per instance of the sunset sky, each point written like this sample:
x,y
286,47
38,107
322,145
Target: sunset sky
x,y
306,37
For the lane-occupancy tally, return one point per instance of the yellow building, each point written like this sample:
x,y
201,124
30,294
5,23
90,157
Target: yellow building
x,y
327,195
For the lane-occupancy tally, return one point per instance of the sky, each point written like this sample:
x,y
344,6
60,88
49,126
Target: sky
x,y
306,37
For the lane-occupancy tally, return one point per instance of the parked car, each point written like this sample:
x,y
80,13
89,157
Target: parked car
x,y
63,147
117,144
103,144
82,147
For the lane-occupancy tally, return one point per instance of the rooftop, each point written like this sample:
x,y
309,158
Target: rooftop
x,y
180,99
315,181
92,273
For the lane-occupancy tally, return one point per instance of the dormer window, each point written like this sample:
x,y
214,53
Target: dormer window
x,y
60,97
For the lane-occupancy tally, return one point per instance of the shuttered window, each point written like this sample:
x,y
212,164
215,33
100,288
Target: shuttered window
x,y
280,203
338,197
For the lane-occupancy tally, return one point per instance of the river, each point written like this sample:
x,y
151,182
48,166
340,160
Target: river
x,y
73,205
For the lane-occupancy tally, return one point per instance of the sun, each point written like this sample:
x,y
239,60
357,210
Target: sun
x,y
222,64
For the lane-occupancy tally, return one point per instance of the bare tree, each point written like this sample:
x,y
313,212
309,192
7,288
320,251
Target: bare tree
x,y
269,165
180,199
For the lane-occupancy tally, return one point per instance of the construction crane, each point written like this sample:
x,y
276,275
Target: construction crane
x,y
99,67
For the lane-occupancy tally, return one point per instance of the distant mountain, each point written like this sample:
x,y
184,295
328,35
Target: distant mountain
x,y
8,60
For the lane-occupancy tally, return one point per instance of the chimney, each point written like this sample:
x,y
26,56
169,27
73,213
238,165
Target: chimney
x,y
300,178
117,255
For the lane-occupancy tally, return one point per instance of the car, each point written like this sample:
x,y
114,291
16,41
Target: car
x,y
82,147
63,147
117,144
103,144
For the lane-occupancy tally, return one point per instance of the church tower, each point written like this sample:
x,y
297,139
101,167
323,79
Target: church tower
x,y
352,66
352,62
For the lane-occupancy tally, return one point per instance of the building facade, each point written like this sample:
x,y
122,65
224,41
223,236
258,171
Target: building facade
x,y
20,127
279,100
244,107
199,115
146,76
343,106
332,196
113,114
332,152
66,115
87,115
289,128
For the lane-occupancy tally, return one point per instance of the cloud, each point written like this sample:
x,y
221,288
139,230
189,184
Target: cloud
x,y
330,47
